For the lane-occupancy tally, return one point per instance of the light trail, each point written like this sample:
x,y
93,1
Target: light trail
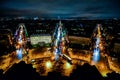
x,y
20,37
96,49
59,41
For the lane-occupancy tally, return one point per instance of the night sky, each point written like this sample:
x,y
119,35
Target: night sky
x,y
64,8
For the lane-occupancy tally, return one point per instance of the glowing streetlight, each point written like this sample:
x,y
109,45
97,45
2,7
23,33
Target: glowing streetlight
x,y
67,65
48,65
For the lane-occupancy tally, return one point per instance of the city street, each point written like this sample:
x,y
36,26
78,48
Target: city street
x,y
44,62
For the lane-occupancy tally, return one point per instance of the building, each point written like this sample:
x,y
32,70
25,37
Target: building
x,y
40,40
5,41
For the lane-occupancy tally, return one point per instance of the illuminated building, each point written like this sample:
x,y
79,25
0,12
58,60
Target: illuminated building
x,y
38,39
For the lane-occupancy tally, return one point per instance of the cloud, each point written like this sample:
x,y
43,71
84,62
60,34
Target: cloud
x,y
82,8
97,9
